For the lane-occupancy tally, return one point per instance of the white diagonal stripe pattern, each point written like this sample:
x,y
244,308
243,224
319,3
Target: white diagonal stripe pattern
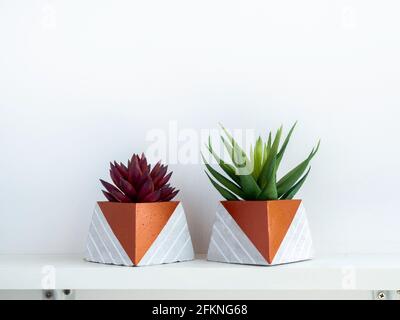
x,y
236,239
286,244
99,256
298,237
237,259
177,238
230,244
187,241
165,235
107,247
173,244
111,237
215,252
101,243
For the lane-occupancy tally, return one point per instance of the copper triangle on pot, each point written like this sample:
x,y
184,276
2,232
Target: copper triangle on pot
x,y
151,218
251,216
280,216
265,223
137,225
121,219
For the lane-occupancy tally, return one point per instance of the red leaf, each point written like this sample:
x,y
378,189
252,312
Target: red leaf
x,y
143,163
146,189
134,172
109,196
163,181
165,192
115,175
160,175
122,169
155,170
116,193
171,196
153,197
128,189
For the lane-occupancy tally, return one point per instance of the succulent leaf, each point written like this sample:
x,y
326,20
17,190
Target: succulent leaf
x,y
138,182
128,189
291,178
163,181
272,152
284,145
109,196
227,168
258,158
256,178
171,195
122,169
228,184
246,180
115,192
153,197
293,190
225,193
270,190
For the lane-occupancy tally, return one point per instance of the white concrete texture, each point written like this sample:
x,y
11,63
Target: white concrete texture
x,y
102,245
297,244
173,244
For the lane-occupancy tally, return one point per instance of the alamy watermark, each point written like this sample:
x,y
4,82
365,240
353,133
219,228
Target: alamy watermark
x,y
176,145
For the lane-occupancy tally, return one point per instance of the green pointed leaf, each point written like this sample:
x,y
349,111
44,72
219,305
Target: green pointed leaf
x,y
249,187
225,193
258,158
232,141
284,145
251,158
247,182
228,184
237,160
272,152
270,192
292,176
240,160
269,144
265,155
227,168
293,190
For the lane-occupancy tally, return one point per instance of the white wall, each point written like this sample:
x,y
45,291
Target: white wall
x,y
83,82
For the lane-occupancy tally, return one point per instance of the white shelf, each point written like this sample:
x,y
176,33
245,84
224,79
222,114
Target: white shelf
x,y
348,272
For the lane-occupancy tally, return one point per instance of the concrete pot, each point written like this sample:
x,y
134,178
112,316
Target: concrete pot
x,y
139,234
260,233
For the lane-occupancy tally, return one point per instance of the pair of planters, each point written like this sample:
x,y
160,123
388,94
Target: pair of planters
x,y
259,224
244,232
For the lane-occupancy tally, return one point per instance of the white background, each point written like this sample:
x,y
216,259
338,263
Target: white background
x,y
84,82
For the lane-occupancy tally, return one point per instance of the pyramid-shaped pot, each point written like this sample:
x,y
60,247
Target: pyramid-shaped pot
x,y
260,233
139,234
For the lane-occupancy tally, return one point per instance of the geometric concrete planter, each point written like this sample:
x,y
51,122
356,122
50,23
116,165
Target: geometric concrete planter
x,y
260,233
139,234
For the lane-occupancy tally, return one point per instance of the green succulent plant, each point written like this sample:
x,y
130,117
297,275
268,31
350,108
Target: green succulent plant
x,y
254,177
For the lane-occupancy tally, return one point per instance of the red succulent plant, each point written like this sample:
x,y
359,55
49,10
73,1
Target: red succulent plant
x,y
138,182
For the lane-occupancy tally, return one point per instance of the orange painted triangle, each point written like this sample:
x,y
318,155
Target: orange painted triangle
x,y
251,216
137,225
121,219
151,218
280,216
